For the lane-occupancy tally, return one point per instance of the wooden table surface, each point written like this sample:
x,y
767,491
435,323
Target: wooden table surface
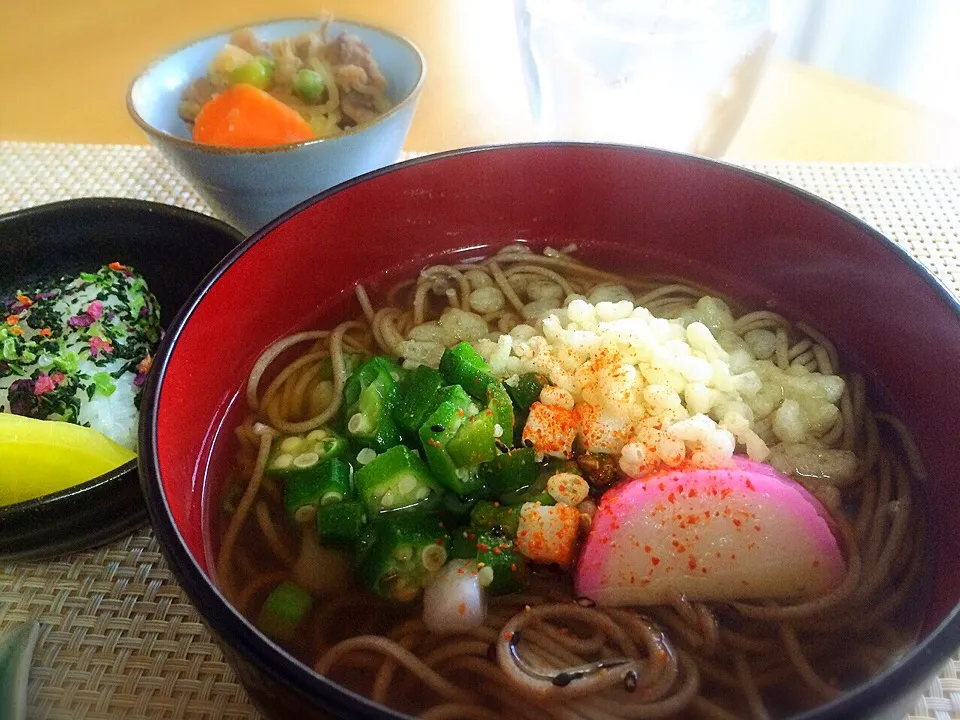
x,y
65,67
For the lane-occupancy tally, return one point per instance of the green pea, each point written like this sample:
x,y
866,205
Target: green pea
x,y
253,73
267,62
308,85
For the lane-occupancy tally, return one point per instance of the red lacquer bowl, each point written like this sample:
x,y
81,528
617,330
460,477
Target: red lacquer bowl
x,y
748,236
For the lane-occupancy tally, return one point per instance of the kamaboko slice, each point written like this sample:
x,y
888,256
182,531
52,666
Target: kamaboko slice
x,y
740,533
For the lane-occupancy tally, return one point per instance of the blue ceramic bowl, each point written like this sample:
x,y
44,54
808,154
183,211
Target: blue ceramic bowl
x,y
250,187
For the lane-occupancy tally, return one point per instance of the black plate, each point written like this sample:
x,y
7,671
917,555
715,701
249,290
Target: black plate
x,y
173,249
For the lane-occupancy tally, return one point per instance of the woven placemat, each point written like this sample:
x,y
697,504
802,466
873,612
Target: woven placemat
x,y
120,641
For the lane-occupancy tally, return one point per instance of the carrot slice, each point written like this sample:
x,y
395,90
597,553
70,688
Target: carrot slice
x,y
245,116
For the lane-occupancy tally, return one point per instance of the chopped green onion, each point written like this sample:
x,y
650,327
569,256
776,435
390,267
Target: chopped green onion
x,y
284,609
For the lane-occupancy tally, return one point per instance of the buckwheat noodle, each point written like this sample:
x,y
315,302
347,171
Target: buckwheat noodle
x,y
712,660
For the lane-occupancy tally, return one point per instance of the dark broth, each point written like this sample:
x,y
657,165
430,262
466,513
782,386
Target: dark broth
x,y
865,650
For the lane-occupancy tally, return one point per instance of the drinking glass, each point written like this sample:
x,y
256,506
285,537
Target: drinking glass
x,y
677,74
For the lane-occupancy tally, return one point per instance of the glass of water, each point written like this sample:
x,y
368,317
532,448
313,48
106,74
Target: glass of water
x,y
676,74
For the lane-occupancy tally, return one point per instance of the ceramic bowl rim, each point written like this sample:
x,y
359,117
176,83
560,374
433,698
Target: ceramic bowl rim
x,y
915,667
152,131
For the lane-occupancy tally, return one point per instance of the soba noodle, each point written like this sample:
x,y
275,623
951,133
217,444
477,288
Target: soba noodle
x,y
716,660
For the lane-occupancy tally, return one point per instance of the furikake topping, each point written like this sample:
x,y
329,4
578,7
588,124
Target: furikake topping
x,y
67,343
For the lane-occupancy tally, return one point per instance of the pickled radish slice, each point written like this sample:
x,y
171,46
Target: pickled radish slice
x,y
38,457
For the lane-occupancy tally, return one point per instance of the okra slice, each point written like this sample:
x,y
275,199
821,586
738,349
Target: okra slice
x,y
537,492
526,391
462,365
495,518
324,483
291,454
502,569
398,554
475,441
419,397
436,433
463,544
369,397
498,402
456,509
511,471
340,524
395,480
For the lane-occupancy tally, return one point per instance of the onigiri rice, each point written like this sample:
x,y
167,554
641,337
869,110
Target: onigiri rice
x,y
79,350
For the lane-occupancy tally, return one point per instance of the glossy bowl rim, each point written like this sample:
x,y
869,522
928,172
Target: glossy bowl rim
x,y
881,691
155,132
107,204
